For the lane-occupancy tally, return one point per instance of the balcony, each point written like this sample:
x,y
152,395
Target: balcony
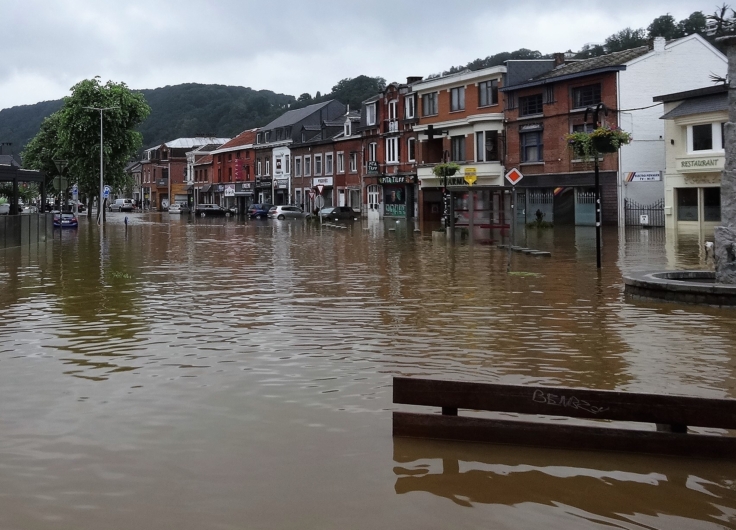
x,y
392,126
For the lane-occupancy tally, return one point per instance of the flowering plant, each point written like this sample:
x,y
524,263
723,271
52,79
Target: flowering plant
x,y
446,169
601,140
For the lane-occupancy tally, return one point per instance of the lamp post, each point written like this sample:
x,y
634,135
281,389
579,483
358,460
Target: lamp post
x,y
596,112
102,186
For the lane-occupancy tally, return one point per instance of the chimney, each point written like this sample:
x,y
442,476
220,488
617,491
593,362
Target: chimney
x,y
413,79
6,148
658,44
559,59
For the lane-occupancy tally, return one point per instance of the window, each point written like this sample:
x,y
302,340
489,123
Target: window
x,y
298,197
259,168
298,167
429,104
370,114
328,164
317,164
347,128
340,162
268,136
712,204
393,106
531,146
307,166
268,166
287,163
530,105
488,93
259,138
353,162
411,149
392,150
457,144
457,99
409,107
687,204
486,146
372,152
549,94
279,132
585,96
702,137
229,156
583,127
229,174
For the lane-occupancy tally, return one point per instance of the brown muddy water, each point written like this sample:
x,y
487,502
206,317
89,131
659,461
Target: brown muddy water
x,y
222,374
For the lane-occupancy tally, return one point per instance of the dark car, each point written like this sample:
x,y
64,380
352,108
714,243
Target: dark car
x,y
259,210
338,212
207,210
65,220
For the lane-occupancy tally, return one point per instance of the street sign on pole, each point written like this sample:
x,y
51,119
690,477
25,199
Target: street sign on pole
x,y
514,176
320,188
75,191
106,192
470,175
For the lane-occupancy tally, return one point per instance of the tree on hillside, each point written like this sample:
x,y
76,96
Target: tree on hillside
x,y
625,39
695,23
73,134
664,26
356,90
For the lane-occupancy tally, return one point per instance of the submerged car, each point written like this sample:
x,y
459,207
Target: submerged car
x,y
122,205
65,220
286,212
212,210
179,207
338,212
259,210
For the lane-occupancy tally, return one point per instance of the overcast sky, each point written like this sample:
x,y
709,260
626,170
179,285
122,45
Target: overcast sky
x,y
288,46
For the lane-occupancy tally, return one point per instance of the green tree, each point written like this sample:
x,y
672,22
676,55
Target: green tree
x,y
79,133
664,26
44,148
625,40
695,23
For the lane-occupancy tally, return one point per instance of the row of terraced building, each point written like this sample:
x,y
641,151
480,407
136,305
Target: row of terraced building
x,y
378,159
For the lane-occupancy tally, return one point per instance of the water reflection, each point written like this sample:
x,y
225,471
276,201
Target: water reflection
x,y
622,491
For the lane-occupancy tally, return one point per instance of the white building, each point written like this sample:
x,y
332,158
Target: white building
x,y
676,66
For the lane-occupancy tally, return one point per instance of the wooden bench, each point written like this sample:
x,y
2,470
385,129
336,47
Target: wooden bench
x,y
670,414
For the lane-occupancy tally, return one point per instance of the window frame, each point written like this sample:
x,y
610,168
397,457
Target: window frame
x,y
411,149
373,152
307,170
409,107
340,162
458,148
577,95
392,150
329,163
488,89
523,145
318,164
298,166
370,114
430,105
457,99
532,102
353,162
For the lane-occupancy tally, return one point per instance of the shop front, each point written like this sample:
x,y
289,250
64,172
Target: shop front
x,y
281,191
693,195
264,190
325,186
398,195
244,195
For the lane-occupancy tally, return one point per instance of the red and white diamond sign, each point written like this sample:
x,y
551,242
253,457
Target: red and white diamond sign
x,y
514,176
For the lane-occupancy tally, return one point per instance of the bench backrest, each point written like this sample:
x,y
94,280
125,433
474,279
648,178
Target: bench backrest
x,y
571,402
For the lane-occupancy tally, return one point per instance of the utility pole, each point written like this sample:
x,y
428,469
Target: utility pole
x,y
100,211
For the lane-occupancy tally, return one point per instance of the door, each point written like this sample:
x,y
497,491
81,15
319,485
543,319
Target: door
x,y
373,211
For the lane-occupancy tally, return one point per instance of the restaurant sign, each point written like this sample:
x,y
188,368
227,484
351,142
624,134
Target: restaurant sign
x,y
372,167
396,179
700,164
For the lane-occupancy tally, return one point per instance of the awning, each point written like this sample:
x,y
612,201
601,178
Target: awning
x,y
205,188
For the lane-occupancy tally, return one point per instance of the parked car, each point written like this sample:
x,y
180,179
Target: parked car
x,y
207,209
122,205
179,207
65,220
286,212
4,208
338,212
259,210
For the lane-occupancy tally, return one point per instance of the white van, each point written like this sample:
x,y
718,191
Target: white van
x,y
122,205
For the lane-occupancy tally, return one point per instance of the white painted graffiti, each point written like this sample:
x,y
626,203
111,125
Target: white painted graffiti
x,y
565,401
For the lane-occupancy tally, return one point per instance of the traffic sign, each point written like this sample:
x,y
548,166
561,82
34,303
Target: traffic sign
x,y
470,175
311,194
106,192
514,176
75,191
320,187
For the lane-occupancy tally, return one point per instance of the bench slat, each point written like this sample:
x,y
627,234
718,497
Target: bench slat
x,y
563,401
558,436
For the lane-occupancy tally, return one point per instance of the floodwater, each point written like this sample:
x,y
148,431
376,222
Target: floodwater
x,y
222,374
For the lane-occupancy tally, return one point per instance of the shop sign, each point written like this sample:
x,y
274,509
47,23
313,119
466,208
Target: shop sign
x,y
690,164
396,179
230,190
281,184
262,183
373,167
244,186
644,176
470,175
322,181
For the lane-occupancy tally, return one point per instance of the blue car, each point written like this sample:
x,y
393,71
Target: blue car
x,y
259,211
65,220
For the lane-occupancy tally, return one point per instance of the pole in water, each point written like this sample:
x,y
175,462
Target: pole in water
x,y
126,220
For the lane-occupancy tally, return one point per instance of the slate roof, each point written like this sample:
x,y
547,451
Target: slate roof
x,y
294,116
205,160
699,105
520,71
244,138
191,142
9,160
572,69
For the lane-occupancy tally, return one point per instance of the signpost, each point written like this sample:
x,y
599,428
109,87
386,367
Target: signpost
x,y
75,196
514,176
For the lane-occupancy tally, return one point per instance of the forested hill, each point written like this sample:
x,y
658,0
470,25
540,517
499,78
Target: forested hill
x,y
195,110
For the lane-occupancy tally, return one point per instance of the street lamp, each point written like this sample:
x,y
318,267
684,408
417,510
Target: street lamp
x,y
596,111
99,206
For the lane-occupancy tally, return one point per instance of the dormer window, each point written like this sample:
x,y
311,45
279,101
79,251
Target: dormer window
x,y
347,128
370,114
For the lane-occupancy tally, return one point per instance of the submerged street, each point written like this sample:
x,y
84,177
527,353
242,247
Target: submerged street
x,y
219,373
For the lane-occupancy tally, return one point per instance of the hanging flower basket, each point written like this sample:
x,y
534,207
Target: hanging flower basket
x,y
601,140
446,169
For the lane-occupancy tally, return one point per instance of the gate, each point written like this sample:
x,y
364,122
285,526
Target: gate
x,y
633,210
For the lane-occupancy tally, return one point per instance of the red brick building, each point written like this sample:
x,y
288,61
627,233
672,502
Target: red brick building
x,y
545,100
234,167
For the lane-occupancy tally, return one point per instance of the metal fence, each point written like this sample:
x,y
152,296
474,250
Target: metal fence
x,y
654,212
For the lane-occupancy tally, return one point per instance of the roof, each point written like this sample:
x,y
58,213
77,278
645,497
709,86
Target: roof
x,y
679,96
205,160
191,142
699,105
520,71
245,138
9,160
294,116
604,63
